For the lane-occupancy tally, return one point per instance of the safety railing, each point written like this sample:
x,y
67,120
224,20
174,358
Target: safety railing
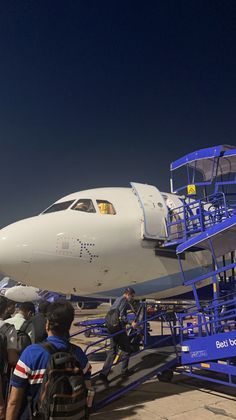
x,y
214,318
142,328
196,216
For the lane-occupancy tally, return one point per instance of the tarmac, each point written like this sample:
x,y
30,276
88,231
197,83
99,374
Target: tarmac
x,y
182,399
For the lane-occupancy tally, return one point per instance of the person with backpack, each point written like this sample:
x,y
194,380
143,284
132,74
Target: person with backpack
x,y
116,320
39,321
23,325
52,379
8,353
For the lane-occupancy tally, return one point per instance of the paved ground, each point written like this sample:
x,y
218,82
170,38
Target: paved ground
x,y
183,399
179,400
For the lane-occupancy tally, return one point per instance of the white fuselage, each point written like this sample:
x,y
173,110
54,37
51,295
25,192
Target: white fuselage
x,y
97,254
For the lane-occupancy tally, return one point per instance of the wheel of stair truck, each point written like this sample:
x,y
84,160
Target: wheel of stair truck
x,y
165,376
80,305
87,333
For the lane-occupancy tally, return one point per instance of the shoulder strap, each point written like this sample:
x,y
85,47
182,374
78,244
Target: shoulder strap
x,y
72,348
50,348
5,327
25,325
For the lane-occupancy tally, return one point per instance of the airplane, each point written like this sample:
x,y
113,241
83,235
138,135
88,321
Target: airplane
x,y
99,241
19,292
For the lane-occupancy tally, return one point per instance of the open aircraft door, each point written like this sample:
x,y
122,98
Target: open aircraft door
x,y
154,211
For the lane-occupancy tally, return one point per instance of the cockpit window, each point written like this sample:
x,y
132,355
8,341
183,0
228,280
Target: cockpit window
x,y
59,206
84,205
105,207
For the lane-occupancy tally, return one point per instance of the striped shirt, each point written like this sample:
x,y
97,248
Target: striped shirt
x,y
31,366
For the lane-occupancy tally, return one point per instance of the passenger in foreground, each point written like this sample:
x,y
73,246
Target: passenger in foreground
x,y
34,367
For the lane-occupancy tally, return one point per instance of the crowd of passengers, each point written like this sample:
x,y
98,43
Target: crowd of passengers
x,y
26,335
41,372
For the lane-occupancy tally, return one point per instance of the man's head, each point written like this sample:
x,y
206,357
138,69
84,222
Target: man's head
x,y
43,307
129,293
3,306
60,316
10,310
27,309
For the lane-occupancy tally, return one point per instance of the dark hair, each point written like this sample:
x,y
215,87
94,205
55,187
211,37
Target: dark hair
x,y
129,291
10,309
10,303
27,307
3,304
60,316
43,307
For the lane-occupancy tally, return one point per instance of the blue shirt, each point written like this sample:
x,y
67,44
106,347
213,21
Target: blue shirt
x,y
31,366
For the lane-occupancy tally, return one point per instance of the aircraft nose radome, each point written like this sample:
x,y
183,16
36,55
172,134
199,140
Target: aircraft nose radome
x,y
15,252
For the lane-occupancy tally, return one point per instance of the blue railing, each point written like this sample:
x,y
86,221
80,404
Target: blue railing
x,y
196,216
142,327
214,318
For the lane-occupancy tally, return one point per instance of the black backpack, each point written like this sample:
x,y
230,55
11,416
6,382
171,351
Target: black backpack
x,y
23,339
63,392
3,348
4,367
112,321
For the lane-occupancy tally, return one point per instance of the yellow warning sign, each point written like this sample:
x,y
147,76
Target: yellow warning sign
x,y
191,189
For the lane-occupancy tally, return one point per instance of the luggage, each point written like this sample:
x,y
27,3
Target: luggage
x,y
112,321
23,339
4,367
63,392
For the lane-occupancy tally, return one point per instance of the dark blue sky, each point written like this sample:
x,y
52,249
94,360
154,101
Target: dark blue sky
x,y
100,93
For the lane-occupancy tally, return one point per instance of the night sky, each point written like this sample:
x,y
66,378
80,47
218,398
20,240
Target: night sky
x,y
101,93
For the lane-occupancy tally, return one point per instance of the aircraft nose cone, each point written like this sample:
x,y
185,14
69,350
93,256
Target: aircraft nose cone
x,y
15,252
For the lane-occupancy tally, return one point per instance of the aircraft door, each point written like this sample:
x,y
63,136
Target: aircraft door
x,y
154,211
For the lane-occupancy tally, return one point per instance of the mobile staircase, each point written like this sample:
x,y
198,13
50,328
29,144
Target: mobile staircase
x,y
206,224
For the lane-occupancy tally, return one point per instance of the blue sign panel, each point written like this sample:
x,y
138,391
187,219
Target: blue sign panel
x,y
199,349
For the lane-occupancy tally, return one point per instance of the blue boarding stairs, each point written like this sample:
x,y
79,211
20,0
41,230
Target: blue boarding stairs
x,y
205,224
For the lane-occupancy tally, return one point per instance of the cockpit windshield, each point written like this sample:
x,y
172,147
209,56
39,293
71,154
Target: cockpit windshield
x,y
105,207
59,206
85,205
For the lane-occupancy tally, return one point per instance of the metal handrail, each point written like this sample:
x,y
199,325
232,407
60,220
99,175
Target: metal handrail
x,y
194,217
139,325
